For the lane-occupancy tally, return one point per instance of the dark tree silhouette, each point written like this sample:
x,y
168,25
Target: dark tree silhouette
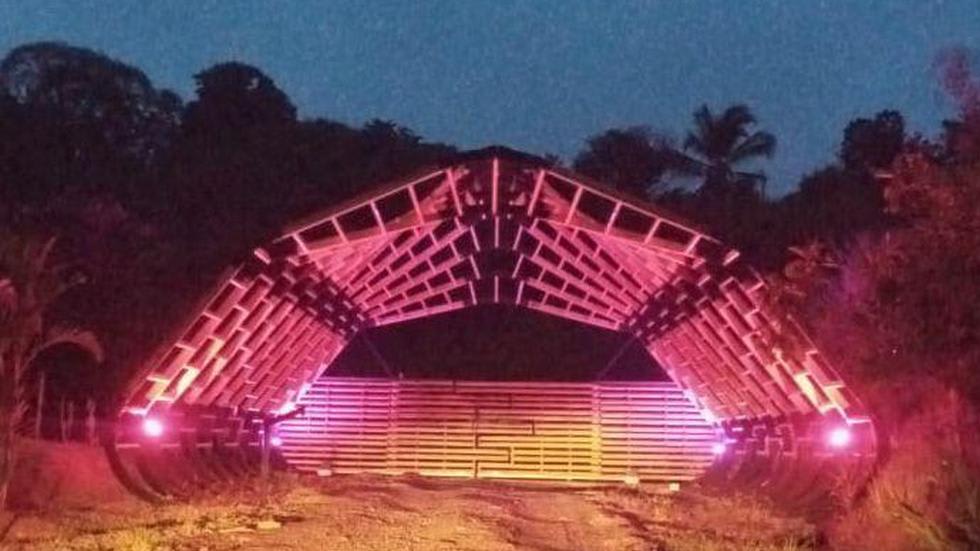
x,y
961,136
234,98
719,144
234,163
730,202
833,205
633,160
871,144
76,119
837,203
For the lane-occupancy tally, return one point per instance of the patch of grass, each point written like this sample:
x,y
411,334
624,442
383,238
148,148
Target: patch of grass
x,y
137,539
927,497
133,539
738,522
941,514
695,521
710,542
146,527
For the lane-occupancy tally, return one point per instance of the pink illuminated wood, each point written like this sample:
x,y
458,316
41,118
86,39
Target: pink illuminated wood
x,y
494,228
557,431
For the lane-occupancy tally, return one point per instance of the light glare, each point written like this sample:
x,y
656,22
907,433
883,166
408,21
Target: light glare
x,y
152,427
839,437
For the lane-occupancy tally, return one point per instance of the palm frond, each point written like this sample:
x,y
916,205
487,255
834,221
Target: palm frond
x,y
685,165
704,120
22,258
716,137
737,116
694,143
758,144
699,140
756,177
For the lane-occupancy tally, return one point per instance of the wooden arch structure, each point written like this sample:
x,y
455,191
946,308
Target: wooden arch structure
x,y
497,226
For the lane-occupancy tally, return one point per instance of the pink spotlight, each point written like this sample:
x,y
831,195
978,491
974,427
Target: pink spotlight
x,y
276,441
718,448
152,427
839,437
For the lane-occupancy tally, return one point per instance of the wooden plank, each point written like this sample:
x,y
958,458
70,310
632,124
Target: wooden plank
x,y
521,430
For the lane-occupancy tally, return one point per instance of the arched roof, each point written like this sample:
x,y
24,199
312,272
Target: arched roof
x,y
494,226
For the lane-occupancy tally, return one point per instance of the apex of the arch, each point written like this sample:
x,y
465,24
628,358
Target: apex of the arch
x,y
505,153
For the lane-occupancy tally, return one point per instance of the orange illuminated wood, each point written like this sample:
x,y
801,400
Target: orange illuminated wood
x,y
494,227
558,431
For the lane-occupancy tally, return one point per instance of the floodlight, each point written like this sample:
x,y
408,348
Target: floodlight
x,y
152,427
839,437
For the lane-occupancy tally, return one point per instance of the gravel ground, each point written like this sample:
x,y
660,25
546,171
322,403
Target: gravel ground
x,y
413,513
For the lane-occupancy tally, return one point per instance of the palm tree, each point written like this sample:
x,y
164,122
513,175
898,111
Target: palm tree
x,y
29,285
719,144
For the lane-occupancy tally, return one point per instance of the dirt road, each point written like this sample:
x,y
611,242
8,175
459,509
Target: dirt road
x,y
425,514
359,513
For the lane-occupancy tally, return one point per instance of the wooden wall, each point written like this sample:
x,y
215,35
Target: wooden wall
x,y
555,431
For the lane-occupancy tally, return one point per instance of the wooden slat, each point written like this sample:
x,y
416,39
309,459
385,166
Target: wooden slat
x,y
548,431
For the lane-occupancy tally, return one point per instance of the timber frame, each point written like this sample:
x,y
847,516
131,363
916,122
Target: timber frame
x,y
489,227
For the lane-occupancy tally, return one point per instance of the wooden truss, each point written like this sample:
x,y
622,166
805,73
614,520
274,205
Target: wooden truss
x,y
495,226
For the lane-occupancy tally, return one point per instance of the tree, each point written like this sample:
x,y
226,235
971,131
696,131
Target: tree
x,y
730,202
962,135
76,119
718,145
905,301
234,163
931,295
841,202
29,286
233,98
832,205
872,144
633,160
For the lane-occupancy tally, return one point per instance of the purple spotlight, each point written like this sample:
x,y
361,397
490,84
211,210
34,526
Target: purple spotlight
x,y
718,448
276,441
839,437
152,427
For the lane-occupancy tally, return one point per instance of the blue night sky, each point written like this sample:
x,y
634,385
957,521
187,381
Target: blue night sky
x,y
542,76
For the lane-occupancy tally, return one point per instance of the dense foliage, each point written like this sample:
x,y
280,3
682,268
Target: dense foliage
x,y
878,252
150,197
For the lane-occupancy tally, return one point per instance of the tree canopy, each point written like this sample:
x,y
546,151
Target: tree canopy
x,y
634,160
720,144
153,195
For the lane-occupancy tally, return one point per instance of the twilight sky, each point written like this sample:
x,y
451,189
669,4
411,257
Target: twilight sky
x,y
544,75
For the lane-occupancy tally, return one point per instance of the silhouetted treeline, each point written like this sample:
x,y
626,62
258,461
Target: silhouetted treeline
x,y
715,179
152,195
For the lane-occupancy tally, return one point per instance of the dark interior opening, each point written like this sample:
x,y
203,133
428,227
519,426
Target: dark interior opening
x,y
496,343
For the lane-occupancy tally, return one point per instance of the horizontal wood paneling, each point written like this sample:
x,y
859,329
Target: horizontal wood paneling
x,y
532,430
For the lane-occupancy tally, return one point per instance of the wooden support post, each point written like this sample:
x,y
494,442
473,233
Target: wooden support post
x,y
70,432
377,356
267,425
39,412
266,447
615,358
61,420
90,421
